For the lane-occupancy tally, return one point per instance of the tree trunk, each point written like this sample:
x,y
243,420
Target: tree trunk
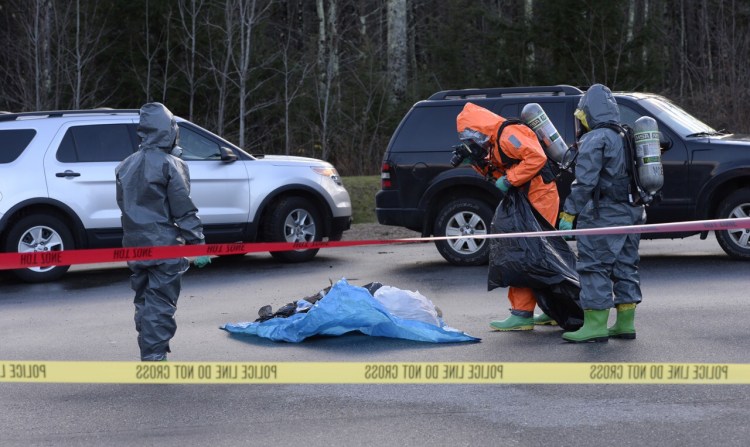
x,y
397,45
247,21
528,13
328,67
189,11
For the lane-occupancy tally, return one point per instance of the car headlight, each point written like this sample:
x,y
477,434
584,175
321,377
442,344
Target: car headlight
x,y
329,172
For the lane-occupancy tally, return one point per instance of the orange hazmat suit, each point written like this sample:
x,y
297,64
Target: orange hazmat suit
x,y
520,143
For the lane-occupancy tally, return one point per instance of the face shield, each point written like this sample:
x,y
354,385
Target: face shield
x,y
582,126
473,148
468,136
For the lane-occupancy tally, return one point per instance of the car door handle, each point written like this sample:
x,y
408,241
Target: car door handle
x,y
68,173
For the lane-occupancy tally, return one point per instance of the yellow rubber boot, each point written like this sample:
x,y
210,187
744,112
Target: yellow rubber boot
x,y
544,320
624,326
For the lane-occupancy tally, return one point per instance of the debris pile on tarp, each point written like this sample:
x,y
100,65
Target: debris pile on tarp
x,y
375,309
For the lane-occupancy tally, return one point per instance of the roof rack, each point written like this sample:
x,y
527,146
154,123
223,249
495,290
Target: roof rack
x,y
60,113
478,93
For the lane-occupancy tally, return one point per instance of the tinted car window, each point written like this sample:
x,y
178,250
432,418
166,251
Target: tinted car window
x,y
628,115
555,111
429,129
197,147
510,111
103,142
13,142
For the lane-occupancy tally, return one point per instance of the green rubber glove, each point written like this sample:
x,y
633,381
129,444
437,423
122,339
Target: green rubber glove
x,y
503,184
202,261
566,223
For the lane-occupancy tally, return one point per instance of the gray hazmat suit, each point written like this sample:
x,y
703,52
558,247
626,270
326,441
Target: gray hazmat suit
x,y
153,193
607,264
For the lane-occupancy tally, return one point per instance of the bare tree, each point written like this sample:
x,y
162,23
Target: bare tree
x,y
364,77
190,11
220,59
366,117
29,67
156,53
149,52
166,59
528,15
328,67
601,49
293,73
397,45
249,14
89,43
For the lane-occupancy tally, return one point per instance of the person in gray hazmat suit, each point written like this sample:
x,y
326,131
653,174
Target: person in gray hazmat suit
x,y
607,264
153,193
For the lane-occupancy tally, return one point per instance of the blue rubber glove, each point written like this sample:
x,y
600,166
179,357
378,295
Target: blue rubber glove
x,y
503,184
202,261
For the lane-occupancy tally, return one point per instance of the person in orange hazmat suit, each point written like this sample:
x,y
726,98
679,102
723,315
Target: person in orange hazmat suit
x,y
515,160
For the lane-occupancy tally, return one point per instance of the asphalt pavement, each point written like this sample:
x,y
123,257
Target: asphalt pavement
x,y
695,309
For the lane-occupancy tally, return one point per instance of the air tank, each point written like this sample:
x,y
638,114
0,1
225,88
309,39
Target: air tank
x,y
552,143
648,155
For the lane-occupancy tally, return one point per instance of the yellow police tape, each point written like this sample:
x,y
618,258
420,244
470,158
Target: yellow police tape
x,y
372,373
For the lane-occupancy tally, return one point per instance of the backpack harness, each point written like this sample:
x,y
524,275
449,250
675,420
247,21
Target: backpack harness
x,y
547,171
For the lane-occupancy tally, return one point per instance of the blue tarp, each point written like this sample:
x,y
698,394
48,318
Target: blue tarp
x,y
346,308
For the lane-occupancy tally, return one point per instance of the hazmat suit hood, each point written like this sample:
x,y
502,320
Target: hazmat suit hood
x,y
600,196
479,124
157,127
153,187
601,168
599,106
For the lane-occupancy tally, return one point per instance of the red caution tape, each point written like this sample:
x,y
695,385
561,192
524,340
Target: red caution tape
x,y
103,255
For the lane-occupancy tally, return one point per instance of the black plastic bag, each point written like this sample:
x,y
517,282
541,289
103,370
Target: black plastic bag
x,y
544,264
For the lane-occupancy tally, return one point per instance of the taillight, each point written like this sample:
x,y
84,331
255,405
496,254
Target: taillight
x,y
385,176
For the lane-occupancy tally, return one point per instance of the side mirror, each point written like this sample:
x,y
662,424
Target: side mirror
x,y
664,142
227,155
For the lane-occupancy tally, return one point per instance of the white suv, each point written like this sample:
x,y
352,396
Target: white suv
x,y
57,187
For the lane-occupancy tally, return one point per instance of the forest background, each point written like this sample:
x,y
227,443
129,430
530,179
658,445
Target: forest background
x,y
331,79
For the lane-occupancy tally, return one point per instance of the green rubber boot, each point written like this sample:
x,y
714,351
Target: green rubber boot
x,y
513,323
624,326
594,328
544,320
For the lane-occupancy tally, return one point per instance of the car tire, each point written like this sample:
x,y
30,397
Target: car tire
x,y
293,219
736,242
39,232
464,217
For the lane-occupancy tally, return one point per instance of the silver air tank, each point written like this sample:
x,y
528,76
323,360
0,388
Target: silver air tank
x,y
648,154
552,143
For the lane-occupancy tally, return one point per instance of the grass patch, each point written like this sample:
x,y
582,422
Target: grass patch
x,y
362,190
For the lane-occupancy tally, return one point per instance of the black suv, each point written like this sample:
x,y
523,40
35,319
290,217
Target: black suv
x,y
706,172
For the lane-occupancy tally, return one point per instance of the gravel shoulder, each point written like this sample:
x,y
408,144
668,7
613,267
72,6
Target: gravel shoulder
x,y
370,231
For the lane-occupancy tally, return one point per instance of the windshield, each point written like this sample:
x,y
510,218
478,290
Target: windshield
x,y
677,118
